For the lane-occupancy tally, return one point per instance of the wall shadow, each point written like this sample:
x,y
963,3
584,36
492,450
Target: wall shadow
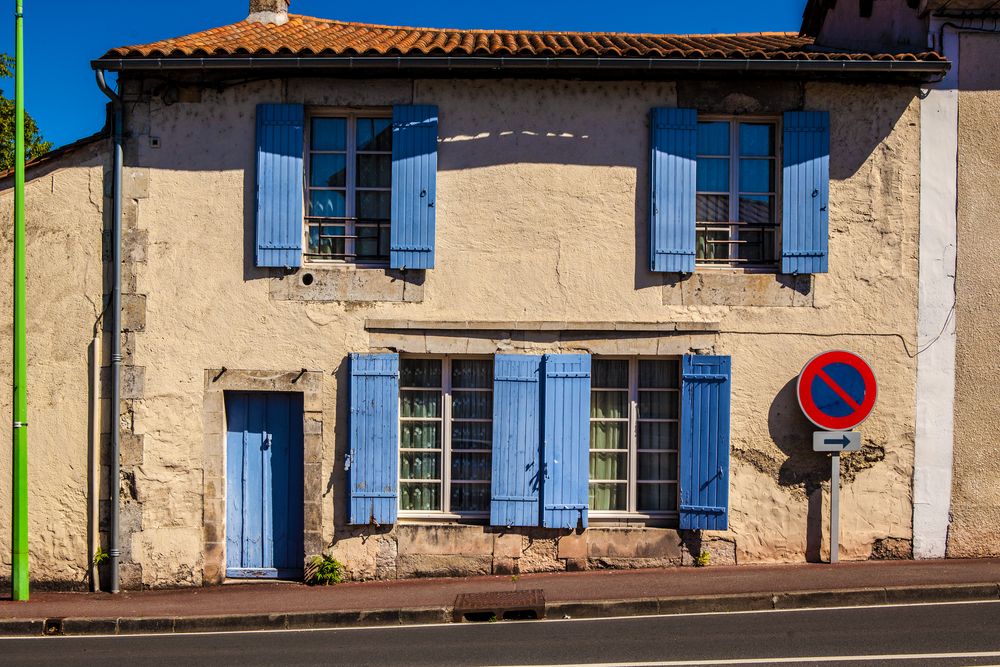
x,y
802,467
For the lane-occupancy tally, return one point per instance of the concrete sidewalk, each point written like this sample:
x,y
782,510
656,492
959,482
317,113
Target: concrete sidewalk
x,y
255,606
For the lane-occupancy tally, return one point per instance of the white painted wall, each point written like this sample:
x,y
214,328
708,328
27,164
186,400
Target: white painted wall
x,y
933,455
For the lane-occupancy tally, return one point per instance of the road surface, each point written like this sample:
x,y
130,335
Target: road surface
x,y
932,634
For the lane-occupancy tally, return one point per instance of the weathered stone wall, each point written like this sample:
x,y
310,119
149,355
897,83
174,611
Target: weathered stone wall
x,y
65,281
542,216
975,503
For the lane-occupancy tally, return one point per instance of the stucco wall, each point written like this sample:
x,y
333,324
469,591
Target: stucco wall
x,y
65,277
542,215
893,22
975,527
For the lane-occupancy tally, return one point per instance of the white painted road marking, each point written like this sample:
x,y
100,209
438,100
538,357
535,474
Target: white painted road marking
x,y
776,661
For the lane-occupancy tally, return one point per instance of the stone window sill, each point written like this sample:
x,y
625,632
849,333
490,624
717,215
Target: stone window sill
x,y
349,284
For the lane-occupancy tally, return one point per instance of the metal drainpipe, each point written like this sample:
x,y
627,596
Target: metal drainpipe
x,y
116,328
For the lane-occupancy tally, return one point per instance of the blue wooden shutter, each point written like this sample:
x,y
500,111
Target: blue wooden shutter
x,y
374,443
805,216
674,173
280,129
516,432
704,474
566,440
414,186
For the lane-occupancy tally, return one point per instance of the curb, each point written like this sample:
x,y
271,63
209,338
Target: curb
x,y
664,606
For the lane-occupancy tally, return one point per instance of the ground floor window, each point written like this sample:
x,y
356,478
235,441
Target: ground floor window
x,y
634,436
445,435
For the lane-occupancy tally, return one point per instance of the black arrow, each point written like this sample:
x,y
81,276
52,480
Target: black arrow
x,y
844,441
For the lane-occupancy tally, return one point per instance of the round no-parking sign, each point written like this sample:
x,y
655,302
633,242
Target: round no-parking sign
x,y
837,390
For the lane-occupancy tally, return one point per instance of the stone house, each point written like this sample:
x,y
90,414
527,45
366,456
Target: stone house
x,y
448,302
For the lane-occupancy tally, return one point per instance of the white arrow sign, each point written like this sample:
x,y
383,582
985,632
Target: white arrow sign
x,y
836,441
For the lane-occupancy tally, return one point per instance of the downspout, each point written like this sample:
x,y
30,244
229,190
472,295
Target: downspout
x,y
116,327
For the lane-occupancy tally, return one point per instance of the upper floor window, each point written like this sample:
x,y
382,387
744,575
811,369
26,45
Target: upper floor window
x,y
349,183
737,193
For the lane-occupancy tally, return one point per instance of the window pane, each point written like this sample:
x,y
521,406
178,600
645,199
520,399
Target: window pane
x,y
757,209
657,467
374,205
756,176
327,203
420,373
659,374
383,242
472,373
657,498
713,175
713,208
657,405
608,497
708,249
420,435
470,497
419,465
329,134
713,138
368,242
471,467
472,436
374,134
609,465
610,373
472,404
320,241
327,170
608,435
759,246
756,139
374,171
609,404
420,497
658,435
420,404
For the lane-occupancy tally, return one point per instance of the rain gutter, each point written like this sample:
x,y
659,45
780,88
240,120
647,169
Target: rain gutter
x,y
525,64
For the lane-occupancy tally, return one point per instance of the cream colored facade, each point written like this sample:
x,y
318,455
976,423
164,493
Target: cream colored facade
x,y
975,513
542,219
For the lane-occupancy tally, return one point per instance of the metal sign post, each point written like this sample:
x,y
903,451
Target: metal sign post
x,y
835,442
835,508
836,391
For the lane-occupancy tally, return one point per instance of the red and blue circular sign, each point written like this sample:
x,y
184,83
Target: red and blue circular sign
x,y
837,390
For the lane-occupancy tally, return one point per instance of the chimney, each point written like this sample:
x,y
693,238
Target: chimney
x,y
269,11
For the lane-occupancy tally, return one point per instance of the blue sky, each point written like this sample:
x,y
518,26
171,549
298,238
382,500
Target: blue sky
x,y
63,36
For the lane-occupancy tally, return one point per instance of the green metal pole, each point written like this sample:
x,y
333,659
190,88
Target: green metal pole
x,y
19,541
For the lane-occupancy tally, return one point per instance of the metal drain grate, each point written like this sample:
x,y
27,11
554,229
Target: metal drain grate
x,y
500,606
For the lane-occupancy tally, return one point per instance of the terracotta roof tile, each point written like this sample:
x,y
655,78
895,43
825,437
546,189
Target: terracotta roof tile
x,y
303,35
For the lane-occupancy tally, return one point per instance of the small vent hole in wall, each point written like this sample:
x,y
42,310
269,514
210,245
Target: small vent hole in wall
x,y
308,279
154,142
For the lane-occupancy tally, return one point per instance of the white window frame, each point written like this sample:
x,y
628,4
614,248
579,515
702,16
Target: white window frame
x,y
631,512
351,115
734,223
446,449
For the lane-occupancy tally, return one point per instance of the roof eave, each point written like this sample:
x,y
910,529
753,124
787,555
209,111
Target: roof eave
x,y
920,68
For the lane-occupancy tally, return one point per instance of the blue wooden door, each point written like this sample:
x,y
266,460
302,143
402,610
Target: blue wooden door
x,y
264,510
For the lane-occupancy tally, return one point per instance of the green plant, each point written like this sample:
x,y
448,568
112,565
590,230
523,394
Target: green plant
x,y
101,556
703,559
493,619
324,571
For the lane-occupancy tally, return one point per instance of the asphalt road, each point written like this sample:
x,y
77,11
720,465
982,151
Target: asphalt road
x,y
939,634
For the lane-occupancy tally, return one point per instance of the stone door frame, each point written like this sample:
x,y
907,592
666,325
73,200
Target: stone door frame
x,y
217,382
